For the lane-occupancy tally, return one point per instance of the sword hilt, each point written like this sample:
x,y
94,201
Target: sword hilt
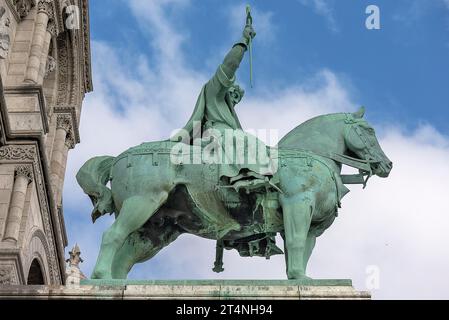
x,y
249,18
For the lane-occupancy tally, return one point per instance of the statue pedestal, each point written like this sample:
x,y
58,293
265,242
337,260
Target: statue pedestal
x,y
192,290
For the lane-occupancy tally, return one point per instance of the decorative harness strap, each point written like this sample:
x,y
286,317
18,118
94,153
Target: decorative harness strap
x,y
364,167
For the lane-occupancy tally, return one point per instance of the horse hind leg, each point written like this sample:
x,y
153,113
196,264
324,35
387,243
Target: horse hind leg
x,y
134,213
139,248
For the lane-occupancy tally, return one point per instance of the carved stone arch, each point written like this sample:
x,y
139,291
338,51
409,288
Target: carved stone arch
x,y
36,275
38,249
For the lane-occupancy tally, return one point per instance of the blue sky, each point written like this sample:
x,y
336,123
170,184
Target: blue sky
x,y
399,72
150,59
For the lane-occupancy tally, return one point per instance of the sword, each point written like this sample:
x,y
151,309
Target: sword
x,y
249,22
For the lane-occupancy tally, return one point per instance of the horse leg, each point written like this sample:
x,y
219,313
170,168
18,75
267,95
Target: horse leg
x,y
310,244
134,213
297,214
138,248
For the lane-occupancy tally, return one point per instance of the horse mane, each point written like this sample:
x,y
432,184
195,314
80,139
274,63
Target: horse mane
x,y
303,130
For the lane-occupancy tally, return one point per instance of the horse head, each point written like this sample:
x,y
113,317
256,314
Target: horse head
x,y
360,139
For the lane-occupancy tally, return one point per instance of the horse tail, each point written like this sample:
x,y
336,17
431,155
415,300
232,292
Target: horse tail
x,y
93,177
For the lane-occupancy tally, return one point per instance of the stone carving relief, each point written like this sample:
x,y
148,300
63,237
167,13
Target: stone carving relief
x,y
51,65
4,33
17,152
25,171
51,27
63,70
45,6
86,37
64,122
7,276
70,141
23,7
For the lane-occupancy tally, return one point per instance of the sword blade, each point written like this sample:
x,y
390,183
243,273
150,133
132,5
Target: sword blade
x,y
249,22
251,63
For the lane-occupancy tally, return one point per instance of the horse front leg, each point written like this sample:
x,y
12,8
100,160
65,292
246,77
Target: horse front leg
x,y
135,212
310,244
139,248
297,214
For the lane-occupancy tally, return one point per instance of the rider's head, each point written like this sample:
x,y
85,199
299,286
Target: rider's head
x,y
234,94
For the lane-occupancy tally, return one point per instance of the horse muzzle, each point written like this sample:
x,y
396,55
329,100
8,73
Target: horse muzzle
x,y
383,169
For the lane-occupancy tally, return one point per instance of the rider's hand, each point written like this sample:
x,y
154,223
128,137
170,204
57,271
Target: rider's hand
x,y
249,32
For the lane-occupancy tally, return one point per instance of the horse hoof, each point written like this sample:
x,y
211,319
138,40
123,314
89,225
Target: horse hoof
x,y
299,277
101,275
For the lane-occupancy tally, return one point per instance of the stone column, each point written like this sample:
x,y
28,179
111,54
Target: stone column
x,y
61,145
69,144
44,12
23,177
51,31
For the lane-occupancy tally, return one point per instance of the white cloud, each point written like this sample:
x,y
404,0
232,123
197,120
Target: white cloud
x,y
323,8
399,224
323,93
152,17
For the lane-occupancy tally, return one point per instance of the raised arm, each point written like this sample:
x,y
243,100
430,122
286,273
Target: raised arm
x,y
224,77
232,60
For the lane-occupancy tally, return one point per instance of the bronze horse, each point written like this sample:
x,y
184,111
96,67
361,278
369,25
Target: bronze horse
x,y
155,201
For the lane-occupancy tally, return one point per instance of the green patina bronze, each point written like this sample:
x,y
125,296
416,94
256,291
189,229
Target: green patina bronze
x,y
160,190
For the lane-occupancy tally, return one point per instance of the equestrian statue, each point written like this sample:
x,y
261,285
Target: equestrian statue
x,y
214,180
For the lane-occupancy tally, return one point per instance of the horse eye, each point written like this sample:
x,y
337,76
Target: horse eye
x,y
369,130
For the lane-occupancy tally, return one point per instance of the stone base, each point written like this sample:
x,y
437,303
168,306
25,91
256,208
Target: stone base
x,y
191,290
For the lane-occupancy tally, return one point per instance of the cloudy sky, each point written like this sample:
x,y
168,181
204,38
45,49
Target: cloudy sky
x,y
151,58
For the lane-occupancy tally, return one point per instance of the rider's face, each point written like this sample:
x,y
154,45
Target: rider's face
x,y
234,95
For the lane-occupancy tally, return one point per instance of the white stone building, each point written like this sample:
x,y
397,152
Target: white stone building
x,y
45,73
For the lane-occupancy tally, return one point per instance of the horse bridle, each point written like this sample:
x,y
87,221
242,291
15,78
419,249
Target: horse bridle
x,y
364,165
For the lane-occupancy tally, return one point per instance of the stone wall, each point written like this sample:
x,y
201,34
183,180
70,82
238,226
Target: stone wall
x,y
45,74
193,290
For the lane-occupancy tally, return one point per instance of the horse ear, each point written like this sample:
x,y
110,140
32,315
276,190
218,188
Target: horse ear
x,y
360,113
